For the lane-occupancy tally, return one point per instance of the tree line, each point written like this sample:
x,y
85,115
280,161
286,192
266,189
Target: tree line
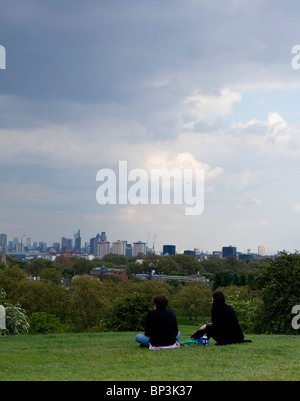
x,y
263,303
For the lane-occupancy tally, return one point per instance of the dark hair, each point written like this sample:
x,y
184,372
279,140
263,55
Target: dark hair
x,y
218,300
161,301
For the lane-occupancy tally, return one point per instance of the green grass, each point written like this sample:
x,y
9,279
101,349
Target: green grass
x,y
116,356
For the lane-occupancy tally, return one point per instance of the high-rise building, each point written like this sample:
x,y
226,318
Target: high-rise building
x,y
23,240
3,240
103,248
169,249
139,247
66,244
77,242
262,250
228,251
103,237
128,250
93,246
119,248
56,246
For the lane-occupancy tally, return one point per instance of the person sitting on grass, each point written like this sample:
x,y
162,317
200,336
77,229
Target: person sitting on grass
x,y
161,329
224,327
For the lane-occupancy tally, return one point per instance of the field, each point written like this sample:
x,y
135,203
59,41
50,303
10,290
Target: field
x,y
117,357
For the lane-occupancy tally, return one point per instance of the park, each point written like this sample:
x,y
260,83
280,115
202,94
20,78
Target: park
x,y
86,332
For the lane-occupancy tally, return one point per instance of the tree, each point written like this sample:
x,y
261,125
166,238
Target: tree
x,y
39,296
280,291
87,304
10,278
37,265
166,264
51,274
129,314
194,298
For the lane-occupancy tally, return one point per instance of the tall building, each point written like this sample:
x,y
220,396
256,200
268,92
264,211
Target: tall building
x,y
128,250
119,248
103,237
3,240
77,242
139,247
228,251
66,244
262,250
93,246
169,249
23,240
103,248
56,246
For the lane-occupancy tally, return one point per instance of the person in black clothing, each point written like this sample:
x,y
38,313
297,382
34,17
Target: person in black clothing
x,y
161,326
224,327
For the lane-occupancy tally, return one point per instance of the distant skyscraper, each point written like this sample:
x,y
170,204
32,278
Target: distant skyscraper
x,y
128,250
23,240
103,248
119,247
169,249
3,240
262,250
228,251
77,242
66,244
56,246
93,246
139,247
103,237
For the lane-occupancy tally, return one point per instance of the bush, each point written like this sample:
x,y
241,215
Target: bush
x,y
44,323
16,321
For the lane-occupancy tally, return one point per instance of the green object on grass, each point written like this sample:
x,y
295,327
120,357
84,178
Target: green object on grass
x,y
189,341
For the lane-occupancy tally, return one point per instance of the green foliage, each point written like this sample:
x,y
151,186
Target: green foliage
x,y
129,314
16,320
118,260
87,305
45,323
279,288
245,311
194,298
39,296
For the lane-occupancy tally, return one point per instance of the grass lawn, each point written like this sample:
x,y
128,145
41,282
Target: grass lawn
x,y
117,357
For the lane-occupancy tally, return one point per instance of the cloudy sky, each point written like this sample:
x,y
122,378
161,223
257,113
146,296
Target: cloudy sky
x,y
160,84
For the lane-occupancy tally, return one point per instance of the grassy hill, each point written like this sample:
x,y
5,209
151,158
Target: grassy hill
x,y
117,357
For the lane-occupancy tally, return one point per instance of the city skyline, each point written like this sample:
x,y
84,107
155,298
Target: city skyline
x,y
194,85
113,245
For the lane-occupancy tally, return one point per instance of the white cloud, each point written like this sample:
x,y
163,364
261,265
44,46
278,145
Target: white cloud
x,y
297,208
198,106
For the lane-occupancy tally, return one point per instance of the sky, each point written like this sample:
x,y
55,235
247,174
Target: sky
x,y
166,84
